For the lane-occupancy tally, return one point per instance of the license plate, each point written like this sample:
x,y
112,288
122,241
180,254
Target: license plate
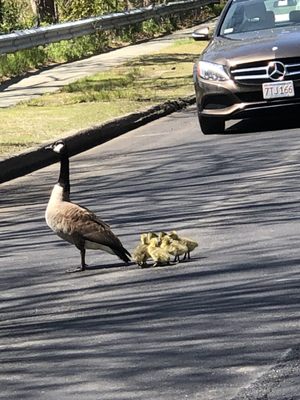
x,y
274,90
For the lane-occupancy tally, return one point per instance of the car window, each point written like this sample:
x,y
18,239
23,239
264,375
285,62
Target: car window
x,y
252,15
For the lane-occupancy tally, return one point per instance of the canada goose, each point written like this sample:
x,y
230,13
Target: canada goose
x,y
158,255
74,223
191,244
140,254
174,247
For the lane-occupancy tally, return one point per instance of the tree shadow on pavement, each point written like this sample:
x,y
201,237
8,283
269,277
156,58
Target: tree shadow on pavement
x,y
172,332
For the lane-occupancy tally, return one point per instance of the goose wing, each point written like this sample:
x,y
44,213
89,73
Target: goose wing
x,y
94,216
86,225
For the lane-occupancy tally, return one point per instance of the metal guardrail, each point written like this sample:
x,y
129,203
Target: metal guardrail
x,y
30,38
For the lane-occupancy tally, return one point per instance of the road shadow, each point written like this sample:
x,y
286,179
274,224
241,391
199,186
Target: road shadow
x,y
281,121
187,328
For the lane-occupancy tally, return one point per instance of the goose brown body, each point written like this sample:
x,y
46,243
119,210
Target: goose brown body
x,y
76,224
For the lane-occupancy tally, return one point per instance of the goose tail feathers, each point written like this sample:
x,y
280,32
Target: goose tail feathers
x,y
123,254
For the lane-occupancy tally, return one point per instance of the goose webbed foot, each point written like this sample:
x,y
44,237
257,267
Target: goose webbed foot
x,y
160,264
77,269
83,264
143,265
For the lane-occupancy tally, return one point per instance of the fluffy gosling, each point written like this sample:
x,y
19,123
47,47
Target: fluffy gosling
x,y
159,255
174,247
140,254
191,244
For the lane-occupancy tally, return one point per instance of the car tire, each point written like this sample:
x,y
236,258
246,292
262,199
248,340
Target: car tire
x,y
211,126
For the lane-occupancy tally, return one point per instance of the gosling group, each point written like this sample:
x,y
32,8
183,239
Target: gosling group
x,y
162,248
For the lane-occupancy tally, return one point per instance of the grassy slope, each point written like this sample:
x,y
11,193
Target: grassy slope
x,y
143,82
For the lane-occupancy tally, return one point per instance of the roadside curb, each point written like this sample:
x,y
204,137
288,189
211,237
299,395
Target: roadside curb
x,y
32,160
280,382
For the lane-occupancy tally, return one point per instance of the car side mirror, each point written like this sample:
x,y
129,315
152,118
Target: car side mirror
x,y
201,34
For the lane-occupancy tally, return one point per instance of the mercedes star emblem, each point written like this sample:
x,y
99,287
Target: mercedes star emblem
x,y
276,71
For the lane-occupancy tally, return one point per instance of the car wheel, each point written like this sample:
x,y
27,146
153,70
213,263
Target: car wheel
x,y
211,126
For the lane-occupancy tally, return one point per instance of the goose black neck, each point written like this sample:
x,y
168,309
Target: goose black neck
x,y
64,175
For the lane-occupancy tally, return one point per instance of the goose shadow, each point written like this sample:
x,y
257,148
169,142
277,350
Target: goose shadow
x,y
133,265
116,265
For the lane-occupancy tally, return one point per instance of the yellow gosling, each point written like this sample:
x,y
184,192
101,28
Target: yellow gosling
x,y
161,235
140,255
151,235
144,238
159,256
191,244
174,247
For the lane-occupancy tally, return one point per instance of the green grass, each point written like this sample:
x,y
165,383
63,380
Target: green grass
x,y
143,82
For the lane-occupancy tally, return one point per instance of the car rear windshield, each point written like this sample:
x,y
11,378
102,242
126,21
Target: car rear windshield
x,y
253,15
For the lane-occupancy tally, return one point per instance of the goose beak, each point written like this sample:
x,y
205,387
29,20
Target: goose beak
x,y
49,147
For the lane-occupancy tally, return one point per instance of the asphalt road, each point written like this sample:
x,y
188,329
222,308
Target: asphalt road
x,y
201,330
